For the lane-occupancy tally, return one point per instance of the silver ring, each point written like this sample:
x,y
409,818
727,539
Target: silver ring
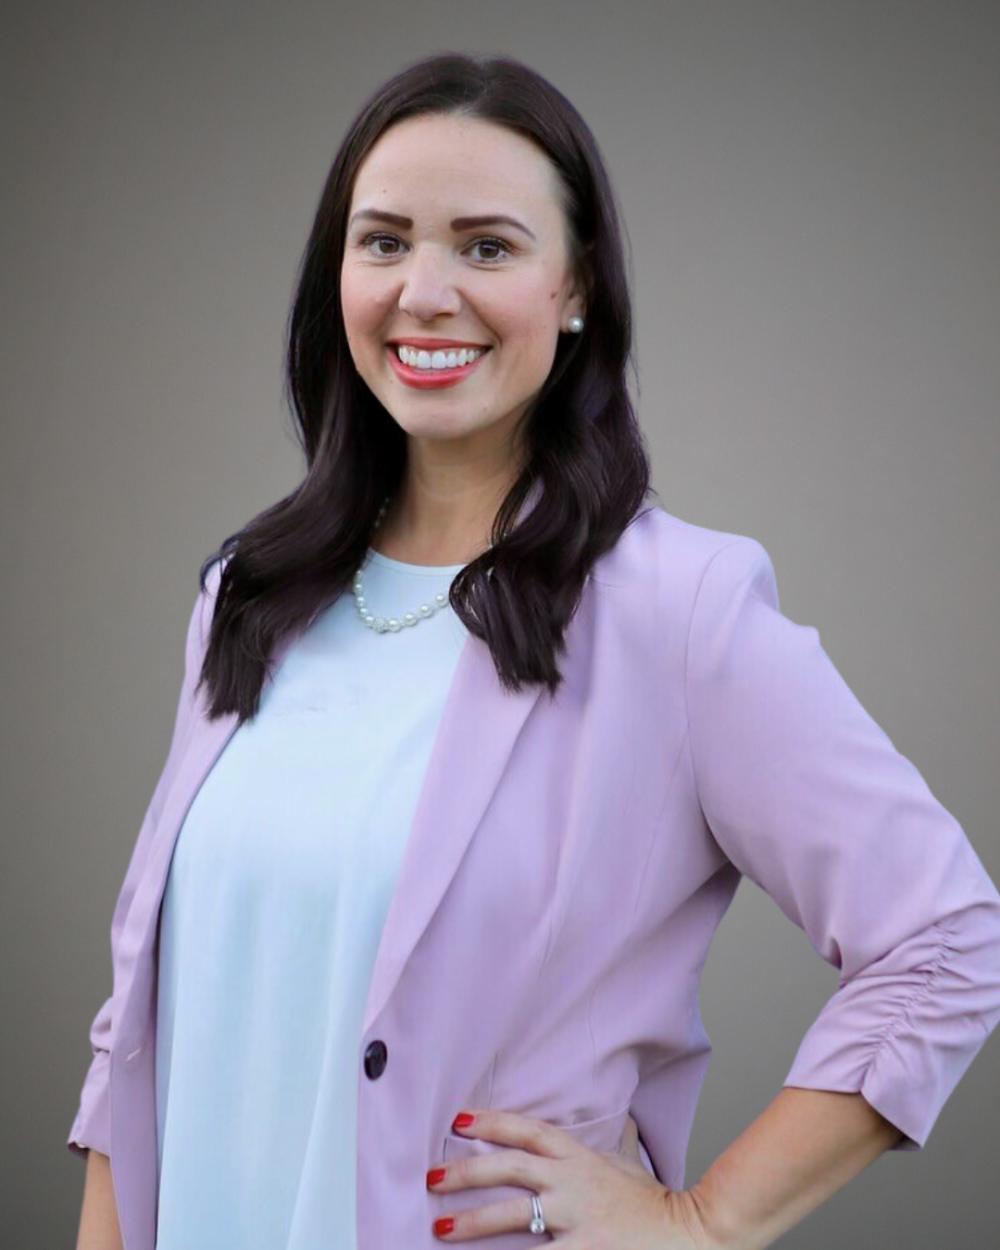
x,y
537,1224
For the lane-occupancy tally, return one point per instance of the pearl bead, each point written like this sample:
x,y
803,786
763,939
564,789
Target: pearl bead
x,y
393,624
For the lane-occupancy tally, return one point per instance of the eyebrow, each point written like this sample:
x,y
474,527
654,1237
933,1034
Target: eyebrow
x,y
458,223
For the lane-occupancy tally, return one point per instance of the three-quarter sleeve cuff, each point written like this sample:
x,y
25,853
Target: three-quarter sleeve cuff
x,y
906,1065
92,1125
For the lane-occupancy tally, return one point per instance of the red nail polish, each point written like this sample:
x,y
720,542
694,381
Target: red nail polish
x,y
462,1120
445,1225
436,1175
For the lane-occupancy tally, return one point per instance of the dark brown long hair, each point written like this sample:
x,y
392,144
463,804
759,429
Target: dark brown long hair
x,y
585,448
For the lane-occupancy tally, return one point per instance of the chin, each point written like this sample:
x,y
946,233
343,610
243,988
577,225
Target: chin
x,y
438,426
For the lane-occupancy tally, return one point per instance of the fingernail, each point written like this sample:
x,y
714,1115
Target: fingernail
x,y
436,1175
462,1120
445,1225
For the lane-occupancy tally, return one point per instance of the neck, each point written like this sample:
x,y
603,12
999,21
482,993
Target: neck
x,y
457,542
438,525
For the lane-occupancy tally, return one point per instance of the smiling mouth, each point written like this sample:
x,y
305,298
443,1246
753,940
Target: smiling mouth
x,y
431,355
428,378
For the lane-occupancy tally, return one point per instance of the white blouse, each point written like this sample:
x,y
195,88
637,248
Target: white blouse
x,y
278,890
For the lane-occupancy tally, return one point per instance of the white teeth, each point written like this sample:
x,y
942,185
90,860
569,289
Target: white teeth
x,y
436,360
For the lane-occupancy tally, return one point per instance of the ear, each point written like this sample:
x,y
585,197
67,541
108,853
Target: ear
x,y
574,303
580,285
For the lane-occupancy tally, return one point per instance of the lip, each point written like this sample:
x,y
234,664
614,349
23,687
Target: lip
x,y
432,379
432,345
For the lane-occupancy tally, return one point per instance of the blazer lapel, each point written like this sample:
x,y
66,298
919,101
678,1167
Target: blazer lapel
x,y
479,725
204,746
475,736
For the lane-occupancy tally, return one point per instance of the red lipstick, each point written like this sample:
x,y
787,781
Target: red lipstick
x,y
432,379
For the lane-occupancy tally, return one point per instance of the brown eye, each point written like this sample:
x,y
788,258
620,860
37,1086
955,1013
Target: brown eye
x,y
379,238
490,241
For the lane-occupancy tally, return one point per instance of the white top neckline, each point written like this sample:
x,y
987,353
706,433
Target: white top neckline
x,y
430,570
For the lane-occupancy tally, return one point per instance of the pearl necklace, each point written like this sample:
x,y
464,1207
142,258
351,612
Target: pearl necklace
x,y
392,624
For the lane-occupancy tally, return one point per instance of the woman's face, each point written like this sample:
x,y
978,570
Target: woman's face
x,y
424,275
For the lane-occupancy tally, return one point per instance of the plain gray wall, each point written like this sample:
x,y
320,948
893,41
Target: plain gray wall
x,y
812,197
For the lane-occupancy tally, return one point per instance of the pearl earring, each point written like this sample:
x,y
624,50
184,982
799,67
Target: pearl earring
x,y
576,324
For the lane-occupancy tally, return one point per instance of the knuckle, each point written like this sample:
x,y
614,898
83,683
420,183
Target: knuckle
x,y
535,1133
518,1168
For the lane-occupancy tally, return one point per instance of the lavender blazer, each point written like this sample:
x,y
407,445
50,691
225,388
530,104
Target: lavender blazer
x,y
568,864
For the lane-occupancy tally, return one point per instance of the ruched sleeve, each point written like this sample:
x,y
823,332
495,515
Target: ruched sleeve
x,y
808,797
92,1123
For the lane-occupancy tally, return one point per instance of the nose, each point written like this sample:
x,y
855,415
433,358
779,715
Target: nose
x,y
428,290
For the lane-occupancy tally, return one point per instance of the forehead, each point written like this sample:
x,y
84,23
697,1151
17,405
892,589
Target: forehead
x,y
447,164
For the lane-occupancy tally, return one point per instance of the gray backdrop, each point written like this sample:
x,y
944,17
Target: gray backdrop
x,y
811,193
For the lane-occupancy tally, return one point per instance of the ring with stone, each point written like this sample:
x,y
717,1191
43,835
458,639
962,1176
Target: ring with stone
x,y
537,1224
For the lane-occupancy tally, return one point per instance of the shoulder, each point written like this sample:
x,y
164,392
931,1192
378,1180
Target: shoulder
x,y
668,561
200,621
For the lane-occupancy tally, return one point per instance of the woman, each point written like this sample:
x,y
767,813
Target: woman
x,y
474,866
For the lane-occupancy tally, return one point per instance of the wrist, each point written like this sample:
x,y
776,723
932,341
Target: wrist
x,y
711,1227
691,1210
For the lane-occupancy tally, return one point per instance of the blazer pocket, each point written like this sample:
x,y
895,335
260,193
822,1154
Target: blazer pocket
x,y
603,1133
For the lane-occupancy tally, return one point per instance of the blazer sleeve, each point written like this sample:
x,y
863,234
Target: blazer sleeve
x,y
92,1125
807,796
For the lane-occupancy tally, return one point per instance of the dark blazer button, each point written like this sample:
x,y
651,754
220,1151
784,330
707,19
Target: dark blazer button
x,y
376,1057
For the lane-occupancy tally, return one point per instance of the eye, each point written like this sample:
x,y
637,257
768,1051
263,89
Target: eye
x,y
378,238
489,241
492,241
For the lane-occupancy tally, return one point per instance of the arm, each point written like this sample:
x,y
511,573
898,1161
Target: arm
x,y
809,798
99,1227
91,1129
798,1152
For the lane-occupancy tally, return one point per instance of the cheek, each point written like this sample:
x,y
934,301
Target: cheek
x,y
528,315
529,336
524,325
361,306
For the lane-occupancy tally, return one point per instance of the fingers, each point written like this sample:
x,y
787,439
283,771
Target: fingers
x,y
510,1215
